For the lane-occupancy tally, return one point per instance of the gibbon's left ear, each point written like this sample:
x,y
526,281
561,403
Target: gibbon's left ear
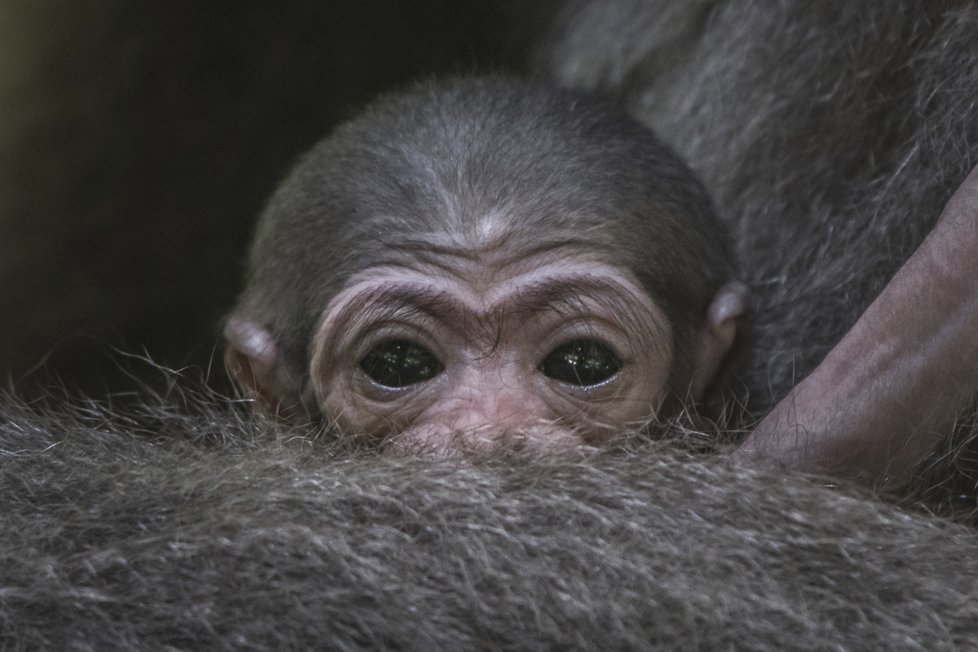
x,y
722,346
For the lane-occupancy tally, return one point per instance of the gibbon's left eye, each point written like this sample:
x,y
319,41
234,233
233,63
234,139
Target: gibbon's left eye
x,y
399,363
582,362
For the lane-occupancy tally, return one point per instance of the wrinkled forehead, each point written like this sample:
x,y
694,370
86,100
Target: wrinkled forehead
x,y
510,235
548,209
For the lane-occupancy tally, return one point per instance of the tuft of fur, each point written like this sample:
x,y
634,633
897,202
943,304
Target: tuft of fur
x,y
186,523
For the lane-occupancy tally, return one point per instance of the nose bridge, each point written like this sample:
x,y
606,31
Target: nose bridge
x,y
494,395
489,404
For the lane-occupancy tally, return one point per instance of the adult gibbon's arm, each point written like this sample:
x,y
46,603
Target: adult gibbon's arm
x,y
895,383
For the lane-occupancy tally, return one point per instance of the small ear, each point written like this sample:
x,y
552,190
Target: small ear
x,y
253,360
723,344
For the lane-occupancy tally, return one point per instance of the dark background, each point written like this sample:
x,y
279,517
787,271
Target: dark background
x,y
139,141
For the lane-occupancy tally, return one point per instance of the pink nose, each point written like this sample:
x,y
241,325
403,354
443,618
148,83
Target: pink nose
x,y
478,421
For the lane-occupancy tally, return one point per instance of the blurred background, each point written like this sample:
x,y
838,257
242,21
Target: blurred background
x,y
139,141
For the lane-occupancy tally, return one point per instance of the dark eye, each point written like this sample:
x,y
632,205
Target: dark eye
x,y
581,362
398,363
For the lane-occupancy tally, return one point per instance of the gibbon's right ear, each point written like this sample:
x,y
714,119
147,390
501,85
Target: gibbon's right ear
x,y
255,363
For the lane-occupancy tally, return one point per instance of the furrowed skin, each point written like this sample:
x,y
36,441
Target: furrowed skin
x,y
206,533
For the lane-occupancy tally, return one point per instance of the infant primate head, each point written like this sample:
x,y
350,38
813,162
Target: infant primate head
x,y
486,256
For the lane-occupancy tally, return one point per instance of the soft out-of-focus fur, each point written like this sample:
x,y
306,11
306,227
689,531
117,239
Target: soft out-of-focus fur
x,y
196,527
830,134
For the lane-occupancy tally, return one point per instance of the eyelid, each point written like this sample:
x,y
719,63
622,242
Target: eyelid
x,y
610,334
359,325
366,339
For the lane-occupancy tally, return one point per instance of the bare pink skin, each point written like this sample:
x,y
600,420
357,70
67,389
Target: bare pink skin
x,y
891,389
491,316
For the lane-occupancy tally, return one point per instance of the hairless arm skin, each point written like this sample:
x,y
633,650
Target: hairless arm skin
x,y
891,389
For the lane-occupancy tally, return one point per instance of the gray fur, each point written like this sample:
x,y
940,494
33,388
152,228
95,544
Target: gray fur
x,y
830,135
197,528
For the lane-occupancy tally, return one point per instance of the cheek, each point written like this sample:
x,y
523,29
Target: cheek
x,y
355,413
630,402
649,384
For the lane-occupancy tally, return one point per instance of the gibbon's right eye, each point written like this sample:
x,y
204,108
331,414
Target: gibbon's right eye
x,y
399,363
